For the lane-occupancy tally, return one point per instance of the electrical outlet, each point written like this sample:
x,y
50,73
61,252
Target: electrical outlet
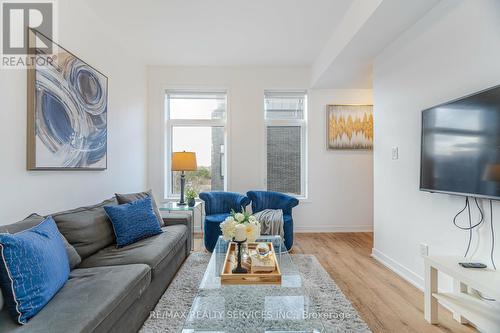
x,y
395,153
424,249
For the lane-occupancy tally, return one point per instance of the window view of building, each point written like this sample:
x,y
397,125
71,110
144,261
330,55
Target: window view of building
x,y
196,122
285,136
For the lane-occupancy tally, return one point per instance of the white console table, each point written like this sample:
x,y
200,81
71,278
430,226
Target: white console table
x,y
466,306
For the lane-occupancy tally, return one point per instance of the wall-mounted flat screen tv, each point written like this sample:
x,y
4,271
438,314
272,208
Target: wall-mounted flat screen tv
x,y
460,152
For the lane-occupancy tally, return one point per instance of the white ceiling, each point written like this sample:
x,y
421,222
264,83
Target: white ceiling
x,y
223,32
336,39
347,59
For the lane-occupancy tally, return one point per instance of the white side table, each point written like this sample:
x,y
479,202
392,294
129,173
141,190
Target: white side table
x,y
465,305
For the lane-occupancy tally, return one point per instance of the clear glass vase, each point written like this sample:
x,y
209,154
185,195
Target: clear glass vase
x,y
244,251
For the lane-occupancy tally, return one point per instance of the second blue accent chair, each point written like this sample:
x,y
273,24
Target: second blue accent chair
x,y
218,206
274,200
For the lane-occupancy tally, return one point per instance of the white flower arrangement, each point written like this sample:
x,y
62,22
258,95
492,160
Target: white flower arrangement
x,y
251,224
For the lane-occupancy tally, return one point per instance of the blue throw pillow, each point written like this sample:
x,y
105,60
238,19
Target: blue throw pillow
x,y
133,221
34,265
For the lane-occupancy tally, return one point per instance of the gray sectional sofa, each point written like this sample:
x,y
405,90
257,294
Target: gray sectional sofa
x,y
111,290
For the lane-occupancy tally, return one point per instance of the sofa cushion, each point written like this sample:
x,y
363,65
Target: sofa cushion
x,y
153,251
89,297
28,222
73,256
33,220
126,198
133,221
88,229
33,268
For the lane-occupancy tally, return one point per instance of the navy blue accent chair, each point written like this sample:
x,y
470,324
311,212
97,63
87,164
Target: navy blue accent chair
x,y
275,200
218,207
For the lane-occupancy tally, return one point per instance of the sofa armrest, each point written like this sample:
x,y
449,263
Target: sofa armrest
x,y
173,219
177,219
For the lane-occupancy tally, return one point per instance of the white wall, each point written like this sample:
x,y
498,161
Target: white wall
x,y
23,192
339,182
452,51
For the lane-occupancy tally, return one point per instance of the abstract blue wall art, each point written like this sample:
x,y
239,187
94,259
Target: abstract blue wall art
x,y
67,114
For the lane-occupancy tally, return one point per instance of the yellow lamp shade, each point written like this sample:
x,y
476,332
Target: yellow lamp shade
x,y
184,161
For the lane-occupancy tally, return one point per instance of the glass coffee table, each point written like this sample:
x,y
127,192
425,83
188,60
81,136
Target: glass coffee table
x,y
282,308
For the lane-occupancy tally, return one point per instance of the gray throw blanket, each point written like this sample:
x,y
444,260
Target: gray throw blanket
x,y
271,222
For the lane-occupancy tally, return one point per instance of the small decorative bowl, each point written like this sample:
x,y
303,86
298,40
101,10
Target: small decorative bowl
x,y
262,250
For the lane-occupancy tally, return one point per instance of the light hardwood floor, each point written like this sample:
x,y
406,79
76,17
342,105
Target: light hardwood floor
x,y
383,299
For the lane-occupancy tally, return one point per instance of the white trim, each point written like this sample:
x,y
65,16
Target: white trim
x,y
304,139
167,125
285,122
196,122
333,228
163,144
411,277
399,269
305,146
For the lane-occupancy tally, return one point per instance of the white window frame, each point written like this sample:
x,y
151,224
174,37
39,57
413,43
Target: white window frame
x,y
171,123
302,123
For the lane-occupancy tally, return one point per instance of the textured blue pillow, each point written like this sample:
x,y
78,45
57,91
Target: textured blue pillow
x,y
133,221
33,267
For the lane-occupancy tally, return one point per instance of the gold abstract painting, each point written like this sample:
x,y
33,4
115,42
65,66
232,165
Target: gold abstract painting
x,y
350,126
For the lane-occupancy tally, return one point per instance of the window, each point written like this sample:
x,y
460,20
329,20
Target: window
x,y
285,117
195,121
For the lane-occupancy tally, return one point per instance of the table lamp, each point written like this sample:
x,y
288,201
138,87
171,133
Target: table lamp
x,y
183,161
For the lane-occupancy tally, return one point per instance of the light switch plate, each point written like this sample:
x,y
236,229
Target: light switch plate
x,y
395,153
424,249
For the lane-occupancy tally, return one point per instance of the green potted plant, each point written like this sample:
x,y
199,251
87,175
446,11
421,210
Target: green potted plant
x,y
191,196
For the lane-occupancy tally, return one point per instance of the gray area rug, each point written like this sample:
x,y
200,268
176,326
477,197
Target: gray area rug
x,y
325,293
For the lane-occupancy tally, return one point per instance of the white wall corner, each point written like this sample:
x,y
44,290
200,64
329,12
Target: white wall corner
x,y
357,15
399,269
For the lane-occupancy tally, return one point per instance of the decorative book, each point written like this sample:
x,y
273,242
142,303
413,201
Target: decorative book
x,y
260,270
261,264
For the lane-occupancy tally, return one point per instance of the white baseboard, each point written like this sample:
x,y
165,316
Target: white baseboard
x,y
333,228
399,269
405,273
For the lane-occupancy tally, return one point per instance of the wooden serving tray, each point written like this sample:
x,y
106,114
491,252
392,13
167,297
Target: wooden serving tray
x,y
228,277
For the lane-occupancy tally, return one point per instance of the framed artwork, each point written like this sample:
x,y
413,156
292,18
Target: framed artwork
x,y
67,112
349,126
